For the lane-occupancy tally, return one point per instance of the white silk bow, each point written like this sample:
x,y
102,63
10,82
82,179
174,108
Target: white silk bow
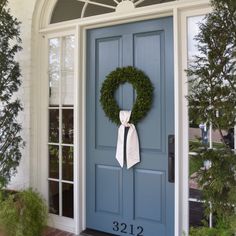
x,y
132,144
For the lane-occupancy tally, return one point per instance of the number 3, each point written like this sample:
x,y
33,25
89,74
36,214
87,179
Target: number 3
x,y
116,226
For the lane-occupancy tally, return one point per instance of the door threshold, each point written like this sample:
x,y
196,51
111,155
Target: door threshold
x,y
91,232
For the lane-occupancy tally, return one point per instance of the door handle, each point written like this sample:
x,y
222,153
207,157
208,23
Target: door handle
x,y
171,158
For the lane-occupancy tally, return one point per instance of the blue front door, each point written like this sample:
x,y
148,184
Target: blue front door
x,y
138,201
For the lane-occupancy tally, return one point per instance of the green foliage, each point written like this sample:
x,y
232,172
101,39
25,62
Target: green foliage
x,y
218,183
23,214
10,139
206,231
194,165
221,229
212,73
212,100
141,84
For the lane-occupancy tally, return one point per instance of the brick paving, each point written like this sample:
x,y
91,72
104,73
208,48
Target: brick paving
x,y
56,232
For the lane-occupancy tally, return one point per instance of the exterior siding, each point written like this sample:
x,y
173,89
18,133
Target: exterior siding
x,y
23,10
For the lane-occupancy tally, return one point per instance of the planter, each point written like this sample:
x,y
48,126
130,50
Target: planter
x,y
22,213
2,233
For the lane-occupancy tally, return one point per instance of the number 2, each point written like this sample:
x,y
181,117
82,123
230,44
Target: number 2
x,y
124,228
141,231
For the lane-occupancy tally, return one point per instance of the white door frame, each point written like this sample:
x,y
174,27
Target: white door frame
x,y
180,10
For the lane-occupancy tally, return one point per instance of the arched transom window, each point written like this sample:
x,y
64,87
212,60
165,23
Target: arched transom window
x,y
75,9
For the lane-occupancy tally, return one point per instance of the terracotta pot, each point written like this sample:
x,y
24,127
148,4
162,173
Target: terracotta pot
x,y
2,233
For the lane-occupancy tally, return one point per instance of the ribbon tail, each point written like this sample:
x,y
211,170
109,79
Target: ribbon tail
x,y
132,151
120,145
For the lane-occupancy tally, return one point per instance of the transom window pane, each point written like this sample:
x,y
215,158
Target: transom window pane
x,y
75,9
151,2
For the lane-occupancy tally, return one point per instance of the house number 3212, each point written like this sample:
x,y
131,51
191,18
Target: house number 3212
x,y
127,229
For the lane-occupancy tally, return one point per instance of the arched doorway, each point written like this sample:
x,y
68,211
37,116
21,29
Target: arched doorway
x,y
53,29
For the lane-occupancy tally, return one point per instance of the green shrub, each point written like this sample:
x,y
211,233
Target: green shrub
x,y
11,141
212,100
206,231
23,213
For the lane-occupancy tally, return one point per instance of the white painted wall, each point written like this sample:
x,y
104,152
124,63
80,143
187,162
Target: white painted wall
x,y
23,10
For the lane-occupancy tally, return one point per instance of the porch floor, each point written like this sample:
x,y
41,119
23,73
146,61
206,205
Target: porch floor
x,y
56,232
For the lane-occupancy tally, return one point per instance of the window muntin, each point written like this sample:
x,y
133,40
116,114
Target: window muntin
x,y
61,125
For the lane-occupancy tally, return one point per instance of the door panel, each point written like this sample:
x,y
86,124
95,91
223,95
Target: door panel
x,y
138,201
108,198
108,57
149,204
144,58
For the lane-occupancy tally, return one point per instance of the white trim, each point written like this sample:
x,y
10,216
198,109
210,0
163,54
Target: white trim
x,y
62,223
76,134
83,123
43,10
177,113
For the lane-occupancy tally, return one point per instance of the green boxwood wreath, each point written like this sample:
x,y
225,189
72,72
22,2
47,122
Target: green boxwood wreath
x,y
141,84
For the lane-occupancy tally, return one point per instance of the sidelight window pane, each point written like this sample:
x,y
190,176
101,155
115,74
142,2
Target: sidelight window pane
x,y
54,71
68,200
54,88
67,90
68,46
54,162
67,126
54,54
67,163
54,197
53,125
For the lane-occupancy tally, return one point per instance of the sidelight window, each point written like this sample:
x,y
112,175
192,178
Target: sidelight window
x,y
61,126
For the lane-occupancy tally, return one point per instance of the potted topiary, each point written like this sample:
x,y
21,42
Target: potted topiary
x,y
212,100
22,213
